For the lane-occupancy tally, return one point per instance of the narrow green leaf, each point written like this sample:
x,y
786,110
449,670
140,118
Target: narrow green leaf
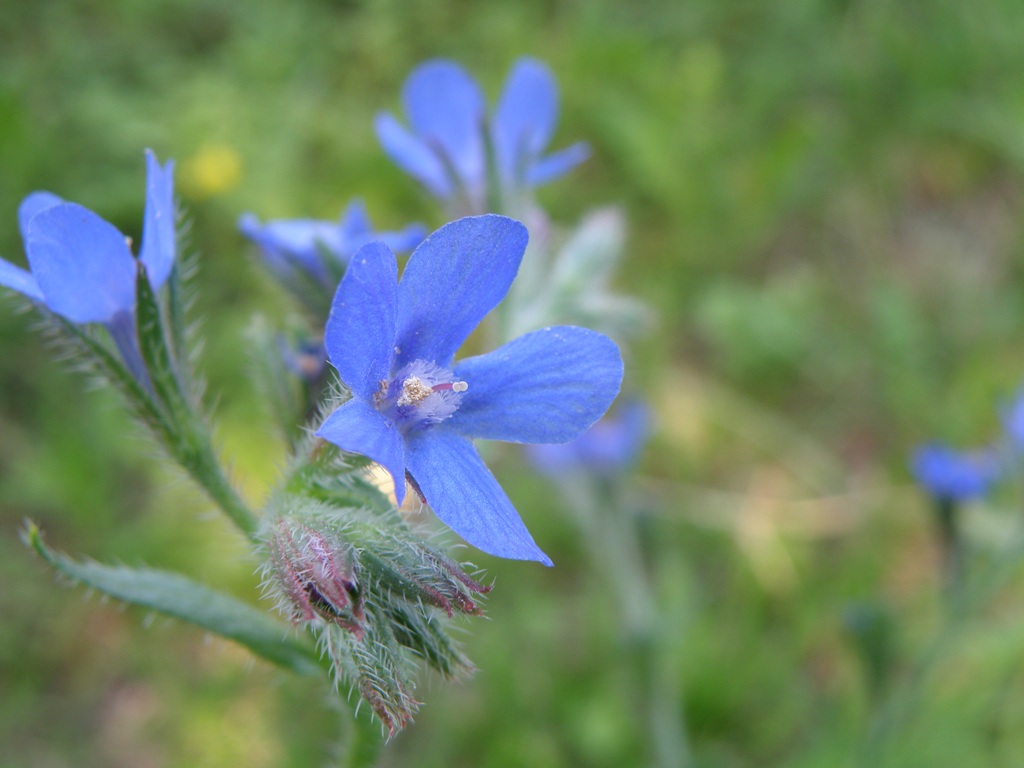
x,y
180,597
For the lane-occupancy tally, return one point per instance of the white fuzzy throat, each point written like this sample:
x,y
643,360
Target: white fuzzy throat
x,y
422,393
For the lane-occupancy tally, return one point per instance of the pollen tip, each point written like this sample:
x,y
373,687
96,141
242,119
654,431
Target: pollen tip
x,y
459,386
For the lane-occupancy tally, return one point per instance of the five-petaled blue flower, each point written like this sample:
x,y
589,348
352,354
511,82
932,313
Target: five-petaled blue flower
x,y
954,476
607,448
299,251
82,267
414,411
446,150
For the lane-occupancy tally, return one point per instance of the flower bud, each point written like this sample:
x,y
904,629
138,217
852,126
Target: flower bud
x,y
316,572
342,561
408,568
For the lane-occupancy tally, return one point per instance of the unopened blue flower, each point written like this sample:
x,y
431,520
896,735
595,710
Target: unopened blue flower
x,y
321,249
950,475
414,411
446,148
82,267
607,448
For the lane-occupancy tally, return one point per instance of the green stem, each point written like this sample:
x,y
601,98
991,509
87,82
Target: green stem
x,y
205,468
362,743
953,549
612,534
901,704
183,431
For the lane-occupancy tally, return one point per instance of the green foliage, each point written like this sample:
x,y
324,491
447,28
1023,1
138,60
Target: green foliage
x,y
182,598
823,207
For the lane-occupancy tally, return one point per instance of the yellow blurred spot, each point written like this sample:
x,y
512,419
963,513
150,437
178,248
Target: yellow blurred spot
x,y
758,532
683,404
211,171
382,479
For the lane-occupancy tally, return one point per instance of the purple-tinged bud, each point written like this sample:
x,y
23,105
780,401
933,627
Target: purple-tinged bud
x,y
456,576
316,571
374,594
417,573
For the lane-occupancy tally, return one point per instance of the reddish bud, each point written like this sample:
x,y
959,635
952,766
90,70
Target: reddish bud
x,y
317,573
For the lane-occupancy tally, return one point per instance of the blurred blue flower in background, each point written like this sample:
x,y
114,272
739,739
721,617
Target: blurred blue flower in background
x,y
306,358
609,447
414,411
82,267
447,148
299,250
950,475
523,125
1013,422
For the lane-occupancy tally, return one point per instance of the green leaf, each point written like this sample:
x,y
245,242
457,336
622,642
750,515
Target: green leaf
x,y
180,597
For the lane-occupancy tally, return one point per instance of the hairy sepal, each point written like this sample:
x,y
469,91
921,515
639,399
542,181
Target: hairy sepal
x,y
380,599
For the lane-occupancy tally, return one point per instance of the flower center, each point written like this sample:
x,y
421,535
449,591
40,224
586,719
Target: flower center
x,y
421,394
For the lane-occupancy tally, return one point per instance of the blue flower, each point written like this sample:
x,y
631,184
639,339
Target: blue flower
x,y
414,411
446,150
306,358
950,475
300,251
607,448
1013,422
82,267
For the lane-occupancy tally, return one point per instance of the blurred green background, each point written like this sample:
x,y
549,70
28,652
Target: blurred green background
x,y
824,199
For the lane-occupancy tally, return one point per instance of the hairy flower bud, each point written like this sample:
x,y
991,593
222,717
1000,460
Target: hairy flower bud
x,y
411,570
373,591
316,571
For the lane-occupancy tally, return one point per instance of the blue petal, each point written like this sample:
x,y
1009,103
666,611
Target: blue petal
x,y
82,263
446,109
545,387
33,204
955,475
354,221
356,230
360,333
452,281
525,118
358,427
1013,420
249,225
465,496
608,447
556,164
405,239
288,244
413,156
20,280
158,236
